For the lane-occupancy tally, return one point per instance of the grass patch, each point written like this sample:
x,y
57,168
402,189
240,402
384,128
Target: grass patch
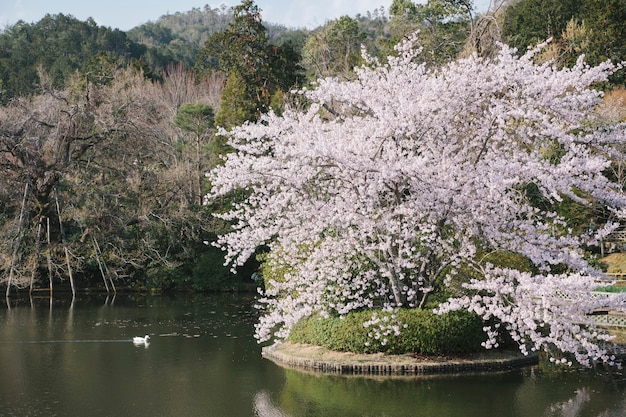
x,y
612,288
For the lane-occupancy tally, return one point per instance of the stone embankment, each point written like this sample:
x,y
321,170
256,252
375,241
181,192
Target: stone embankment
x,y
318,359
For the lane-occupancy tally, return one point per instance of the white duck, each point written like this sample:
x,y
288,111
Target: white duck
x,y
138,340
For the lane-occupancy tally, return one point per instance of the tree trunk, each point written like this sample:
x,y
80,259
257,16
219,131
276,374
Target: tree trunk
x,y
95,250
17,242
36,256
101,265
64,240
393,254
199,173
49,255
106,269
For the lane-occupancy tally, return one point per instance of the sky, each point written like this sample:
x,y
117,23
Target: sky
x,y
127,14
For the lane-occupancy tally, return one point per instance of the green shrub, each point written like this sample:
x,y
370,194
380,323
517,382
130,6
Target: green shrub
x,y
165,279
210,274
612,289
429,333
423,332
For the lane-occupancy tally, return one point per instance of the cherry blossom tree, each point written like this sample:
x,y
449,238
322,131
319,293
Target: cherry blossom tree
x,y
390,187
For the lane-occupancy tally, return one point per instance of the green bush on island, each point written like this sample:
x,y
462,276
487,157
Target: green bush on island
x,y
424,332
612,289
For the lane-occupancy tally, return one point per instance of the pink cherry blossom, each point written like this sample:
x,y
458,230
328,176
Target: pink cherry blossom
x,y
382,188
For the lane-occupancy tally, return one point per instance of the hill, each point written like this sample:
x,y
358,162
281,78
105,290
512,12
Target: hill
x,y
59,45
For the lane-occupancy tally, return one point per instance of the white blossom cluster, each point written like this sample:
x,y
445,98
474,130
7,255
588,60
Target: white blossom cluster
x,y
540,312
383,326
383,187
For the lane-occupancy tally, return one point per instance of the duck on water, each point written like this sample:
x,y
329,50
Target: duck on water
x,y
138,340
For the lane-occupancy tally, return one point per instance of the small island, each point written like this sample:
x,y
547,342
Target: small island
x,y
319,359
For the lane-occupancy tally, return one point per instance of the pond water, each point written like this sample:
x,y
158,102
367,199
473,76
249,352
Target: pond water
x,y
58,359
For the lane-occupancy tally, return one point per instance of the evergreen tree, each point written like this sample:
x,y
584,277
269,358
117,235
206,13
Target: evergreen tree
x,y
596,28
198,120
58,45
444,25
529,22
255,68
334,49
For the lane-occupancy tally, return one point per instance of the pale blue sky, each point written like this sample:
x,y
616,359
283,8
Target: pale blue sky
x,y
126,14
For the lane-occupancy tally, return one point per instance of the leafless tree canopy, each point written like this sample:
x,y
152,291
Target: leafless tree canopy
x,y
98,175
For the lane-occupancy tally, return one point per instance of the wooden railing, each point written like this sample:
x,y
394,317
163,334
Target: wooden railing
x,y
614,240
616,236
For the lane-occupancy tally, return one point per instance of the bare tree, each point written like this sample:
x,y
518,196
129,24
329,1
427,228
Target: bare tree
x,y
91,179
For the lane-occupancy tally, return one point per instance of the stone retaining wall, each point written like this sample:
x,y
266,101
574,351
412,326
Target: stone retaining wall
x,y
400,366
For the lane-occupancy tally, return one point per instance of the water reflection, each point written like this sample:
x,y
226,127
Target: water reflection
x,y
75,360
522,393
264,407
577,406
573,406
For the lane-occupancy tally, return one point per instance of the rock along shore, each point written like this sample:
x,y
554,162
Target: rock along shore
x,y
322,360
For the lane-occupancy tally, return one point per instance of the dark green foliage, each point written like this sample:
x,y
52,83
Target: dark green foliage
x,y
331,332
165,279
205,273
210,274
428,333
241,47
606,20
425,333
193,27
444,26
334,48
256,69
179,37
578,216
279,36
195,118
529,22
511,260
59,45
602,29
236,106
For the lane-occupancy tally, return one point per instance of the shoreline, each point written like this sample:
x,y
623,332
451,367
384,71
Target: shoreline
x,y
324,361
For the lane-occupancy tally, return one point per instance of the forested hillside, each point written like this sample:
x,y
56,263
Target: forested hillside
x,y
179,37
58,45
596,28
106,136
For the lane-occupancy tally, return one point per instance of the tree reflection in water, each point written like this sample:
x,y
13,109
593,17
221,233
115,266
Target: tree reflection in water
x,y
263,406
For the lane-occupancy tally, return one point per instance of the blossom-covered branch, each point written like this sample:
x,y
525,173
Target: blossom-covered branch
x,y
384,200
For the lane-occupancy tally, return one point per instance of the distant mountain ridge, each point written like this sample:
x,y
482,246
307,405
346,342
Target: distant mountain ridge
x,y
60,45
